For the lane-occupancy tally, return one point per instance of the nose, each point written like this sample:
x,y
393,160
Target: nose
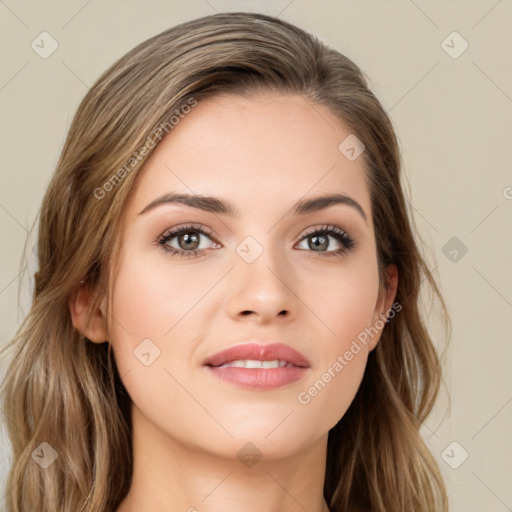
x,y
262,291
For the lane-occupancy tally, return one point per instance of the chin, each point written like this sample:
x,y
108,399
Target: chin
x,y
274,439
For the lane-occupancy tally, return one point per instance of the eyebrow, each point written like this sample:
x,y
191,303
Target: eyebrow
x,y
218,206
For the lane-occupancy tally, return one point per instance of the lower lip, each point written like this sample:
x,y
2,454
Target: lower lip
x,y
258,378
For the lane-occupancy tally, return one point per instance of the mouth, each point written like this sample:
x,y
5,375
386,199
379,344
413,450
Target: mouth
x,y
258,367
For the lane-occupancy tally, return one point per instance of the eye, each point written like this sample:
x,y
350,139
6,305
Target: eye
x,y
318,238
188,240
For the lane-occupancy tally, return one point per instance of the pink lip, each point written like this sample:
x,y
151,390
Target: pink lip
x,y
258,352
259,378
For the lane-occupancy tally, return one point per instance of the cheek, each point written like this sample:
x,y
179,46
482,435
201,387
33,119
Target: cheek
x,y
346,308
331,390
151,309
327,394
155,312
152,300
147,304
345,303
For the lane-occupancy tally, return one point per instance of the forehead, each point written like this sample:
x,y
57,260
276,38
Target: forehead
x,y
260,152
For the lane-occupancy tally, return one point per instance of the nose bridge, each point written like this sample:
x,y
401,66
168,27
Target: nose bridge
x,y
261,278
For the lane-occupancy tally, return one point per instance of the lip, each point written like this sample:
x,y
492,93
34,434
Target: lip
x,y
258,378
258,352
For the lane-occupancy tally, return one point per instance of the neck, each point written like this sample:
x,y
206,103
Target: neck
x,y
169,476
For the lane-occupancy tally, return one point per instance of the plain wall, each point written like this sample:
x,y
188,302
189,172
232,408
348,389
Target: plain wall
x,y
452,114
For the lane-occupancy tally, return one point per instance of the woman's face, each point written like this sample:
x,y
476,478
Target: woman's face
x,y
258,274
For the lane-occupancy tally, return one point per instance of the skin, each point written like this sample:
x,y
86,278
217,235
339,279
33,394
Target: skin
x,y
262,154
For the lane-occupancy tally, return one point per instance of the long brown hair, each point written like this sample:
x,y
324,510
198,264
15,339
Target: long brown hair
x,y
65,391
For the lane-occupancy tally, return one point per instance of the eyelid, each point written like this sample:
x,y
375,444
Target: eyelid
x,y
192,227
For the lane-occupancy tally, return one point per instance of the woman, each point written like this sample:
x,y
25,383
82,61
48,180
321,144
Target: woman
x,y
226,310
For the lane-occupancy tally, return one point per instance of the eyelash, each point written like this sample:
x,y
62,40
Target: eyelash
x,y
341,236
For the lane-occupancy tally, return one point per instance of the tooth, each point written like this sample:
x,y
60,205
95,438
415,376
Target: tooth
x,y
251,363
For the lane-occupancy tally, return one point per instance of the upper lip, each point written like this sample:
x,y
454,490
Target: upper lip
x,y
258,352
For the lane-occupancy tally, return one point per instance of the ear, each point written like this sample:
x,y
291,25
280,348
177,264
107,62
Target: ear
x,y
384,302
93,327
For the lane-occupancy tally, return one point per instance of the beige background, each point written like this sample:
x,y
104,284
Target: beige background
x,y
453,117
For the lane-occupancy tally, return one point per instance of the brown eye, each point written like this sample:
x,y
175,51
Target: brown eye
x,y
186,240
318,241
